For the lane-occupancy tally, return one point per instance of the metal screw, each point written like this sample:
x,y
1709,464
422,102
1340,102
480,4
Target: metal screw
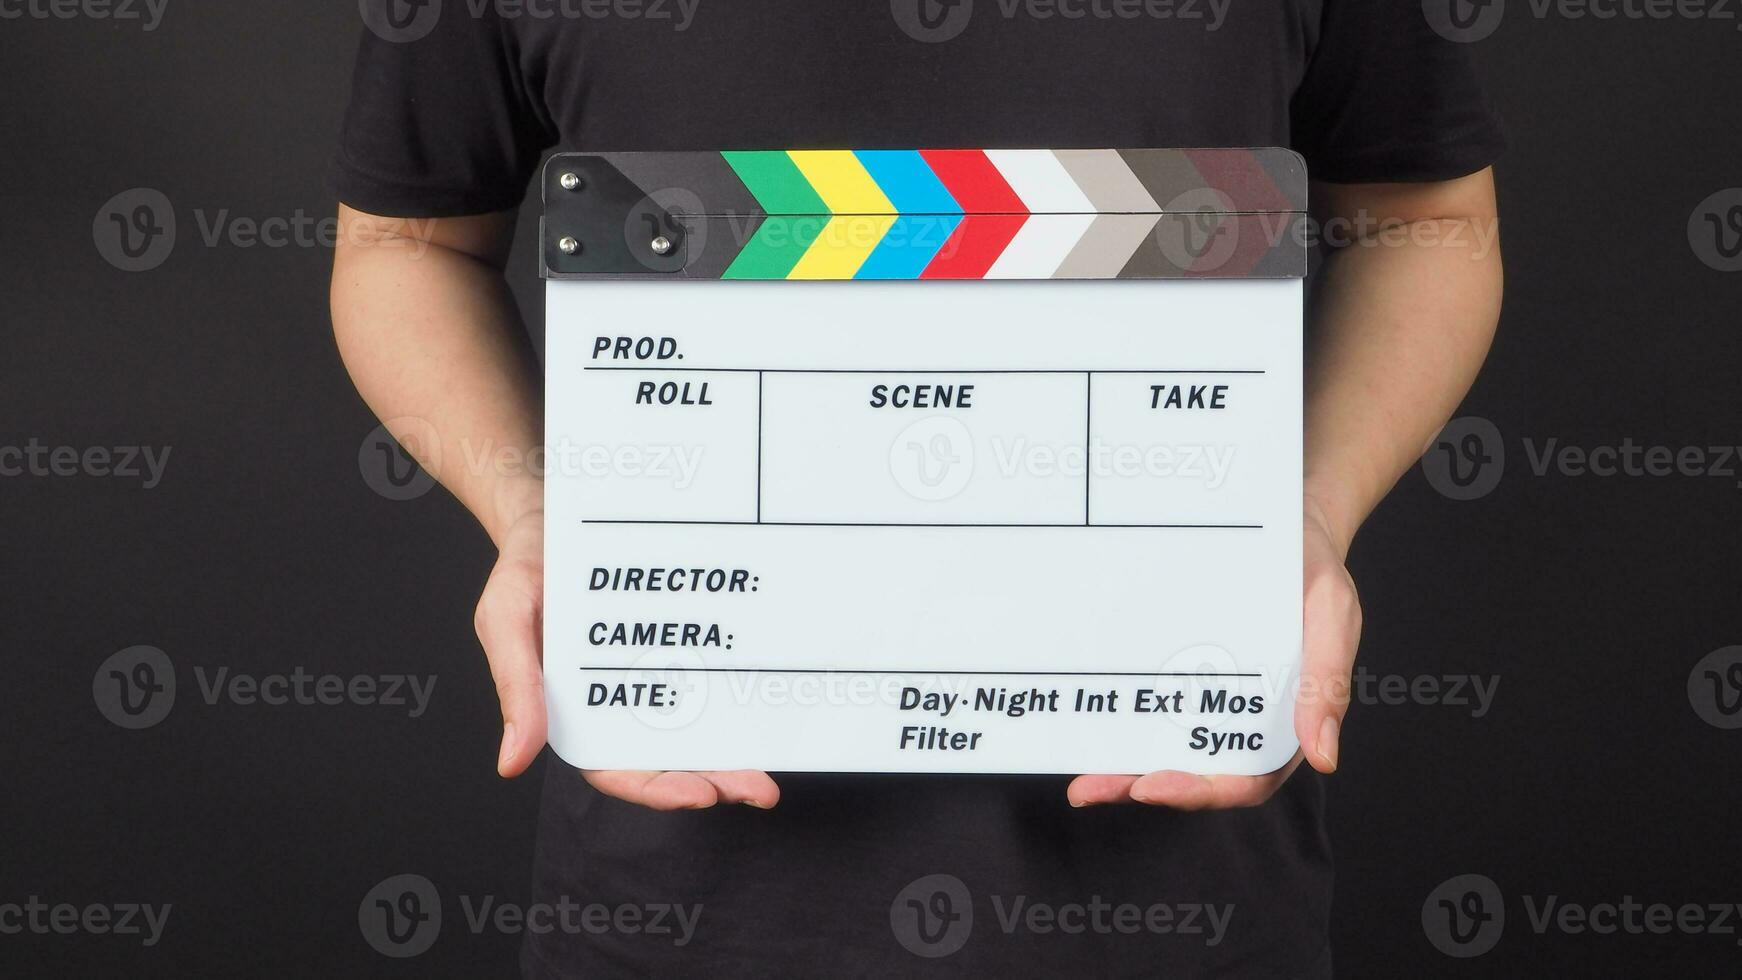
x,y
660,245
570,181
568,245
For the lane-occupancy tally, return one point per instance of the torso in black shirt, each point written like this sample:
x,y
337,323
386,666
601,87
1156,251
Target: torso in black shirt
x,y
454,122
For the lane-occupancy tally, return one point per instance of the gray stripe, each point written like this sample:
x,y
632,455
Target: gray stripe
x,y
1288,171
687,182
1106,180
1106,247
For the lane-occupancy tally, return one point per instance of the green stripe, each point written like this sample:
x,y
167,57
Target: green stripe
x,y
775,248
775,181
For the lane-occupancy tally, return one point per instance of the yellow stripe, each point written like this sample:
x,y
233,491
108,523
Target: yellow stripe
x,y
841,181
842,247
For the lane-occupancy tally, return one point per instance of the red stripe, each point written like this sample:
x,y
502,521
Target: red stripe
x,y
974,246
1254,235
1240,178
973,181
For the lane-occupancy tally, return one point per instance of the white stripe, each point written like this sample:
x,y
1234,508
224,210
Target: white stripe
x,y
1041,246
1040,180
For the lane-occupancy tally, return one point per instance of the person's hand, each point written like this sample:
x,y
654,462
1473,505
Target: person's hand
x,y
510,624
1332,629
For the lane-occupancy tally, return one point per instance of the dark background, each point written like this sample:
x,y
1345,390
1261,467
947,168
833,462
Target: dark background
x,y
1588,599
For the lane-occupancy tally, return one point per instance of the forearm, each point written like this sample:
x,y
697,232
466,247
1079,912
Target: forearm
x,y
432,335
1402,322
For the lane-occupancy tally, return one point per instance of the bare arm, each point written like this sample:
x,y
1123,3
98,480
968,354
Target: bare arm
x,y
432,338
1400,325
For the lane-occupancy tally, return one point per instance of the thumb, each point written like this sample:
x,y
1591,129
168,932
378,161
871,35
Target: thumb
x,y
1332,631
509,624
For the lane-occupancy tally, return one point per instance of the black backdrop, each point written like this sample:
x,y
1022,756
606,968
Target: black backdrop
x,y
1602,767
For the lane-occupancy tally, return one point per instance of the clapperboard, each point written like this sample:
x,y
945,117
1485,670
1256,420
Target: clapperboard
x,y
924,460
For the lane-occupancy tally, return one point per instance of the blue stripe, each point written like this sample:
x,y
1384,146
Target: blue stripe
x,y
908,182
907,248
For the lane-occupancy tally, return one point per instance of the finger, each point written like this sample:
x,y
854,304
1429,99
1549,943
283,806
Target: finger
x,y
1188,791
508,626
1091,790
655,790
1332,631
752,787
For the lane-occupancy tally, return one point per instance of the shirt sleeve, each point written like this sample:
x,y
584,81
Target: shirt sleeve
x,y
441,121
1387,98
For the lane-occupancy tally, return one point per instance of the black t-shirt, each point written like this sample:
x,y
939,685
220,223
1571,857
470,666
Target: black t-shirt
x,y
454,104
